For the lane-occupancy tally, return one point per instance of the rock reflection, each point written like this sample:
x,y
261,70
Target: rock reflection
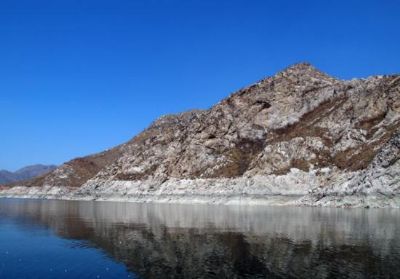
x,y
198,241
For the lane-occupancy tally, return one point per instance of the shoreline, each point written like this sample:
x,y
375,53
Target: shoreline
x,y
276,200
372,188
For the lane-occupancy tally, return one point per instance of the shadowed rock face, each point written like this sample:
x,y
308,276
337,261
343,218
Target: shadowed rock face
x,y
300,119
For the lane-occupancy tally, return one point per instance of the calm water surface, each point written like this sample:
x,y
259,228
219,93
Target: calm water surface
x,y
71,239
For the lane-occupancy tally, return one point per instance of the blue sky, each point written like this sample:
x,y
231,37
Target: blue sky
x,y
77,77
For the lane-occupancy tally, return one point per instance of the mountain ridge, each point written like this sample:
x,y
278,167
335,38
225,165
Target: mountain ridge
x,y
25,173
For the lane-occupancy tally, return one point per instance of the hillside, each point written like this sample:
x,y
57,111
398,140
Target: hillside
x,y
299,136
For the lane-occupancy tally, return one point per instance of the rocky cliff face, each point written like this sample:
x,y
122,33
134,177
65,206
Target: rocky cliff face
x,y
298,133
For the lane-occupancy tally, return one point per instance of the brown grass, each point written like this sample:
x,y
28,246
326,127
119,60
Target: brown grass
x,y
240,158
305,127
359,158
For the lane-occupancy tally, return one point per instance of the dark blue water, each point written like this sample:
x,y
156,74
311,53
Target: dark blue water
x,y
70,239
29,250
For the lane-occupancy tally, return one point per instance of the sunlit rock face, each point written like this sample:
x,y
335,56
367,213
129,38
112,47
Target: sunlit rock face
x,y
300,133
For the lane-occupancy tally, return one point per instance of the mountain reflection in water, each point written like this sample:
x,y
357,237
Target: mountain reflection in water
x,y
199,241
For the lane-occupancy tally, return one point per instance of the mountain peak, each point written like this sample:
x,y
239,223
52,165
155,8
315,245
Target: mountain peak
x,y
304,70
301,66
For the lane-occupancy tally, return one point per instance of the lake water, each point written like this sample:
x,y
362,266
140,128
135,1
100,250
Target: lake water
x,y
81,239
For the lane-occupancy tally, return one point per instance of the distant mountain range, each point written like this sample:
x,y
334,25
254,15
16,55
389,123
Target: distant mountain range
x,y
25,173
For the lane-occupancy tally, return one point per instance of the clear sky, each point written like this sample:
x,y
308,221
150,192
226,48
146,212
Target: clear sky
x,y
77,77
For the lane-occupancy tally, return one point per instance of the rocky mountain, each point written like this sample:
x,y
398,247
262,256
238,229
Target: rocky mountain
x,y
300,137
25,173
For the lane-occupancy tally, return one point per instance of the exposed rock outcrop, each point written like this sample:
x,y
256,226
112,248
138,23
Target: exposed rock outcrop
x,y
300,134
